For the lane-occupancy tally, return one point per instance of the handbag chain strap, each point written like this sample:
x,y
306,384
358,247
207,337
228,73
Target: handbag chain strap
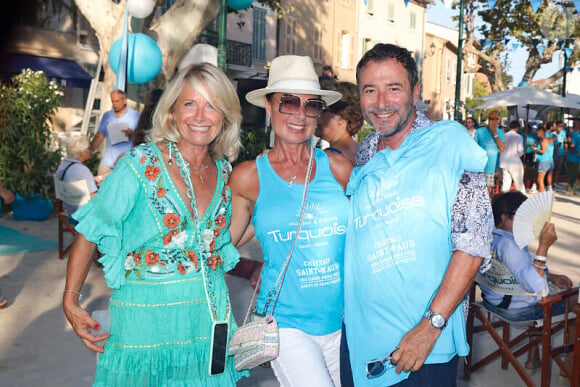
x,y
274,293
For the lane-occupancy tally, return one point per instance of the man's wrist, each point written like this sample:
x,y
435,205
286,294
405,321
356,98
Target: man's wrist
x,y
437,320
541,258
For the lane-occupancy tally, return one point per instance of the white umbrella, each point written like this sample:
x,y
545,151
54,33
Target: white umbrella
x,y
572,104
527,96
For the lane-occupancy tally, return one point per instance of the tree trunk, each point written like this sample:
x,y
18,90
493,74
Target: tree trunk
x,y
179,27
175,31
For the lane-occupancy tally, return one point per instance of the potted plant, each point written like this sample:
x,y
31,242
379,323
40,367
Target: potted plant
x,y
27,161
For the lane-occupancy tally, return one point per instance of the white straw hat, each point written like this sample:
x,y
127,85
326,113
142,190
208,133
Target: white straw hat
x,y
294,75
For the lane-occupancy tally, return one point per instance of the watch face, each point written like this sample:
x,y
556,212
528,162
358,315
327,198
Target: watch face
x,y
438,321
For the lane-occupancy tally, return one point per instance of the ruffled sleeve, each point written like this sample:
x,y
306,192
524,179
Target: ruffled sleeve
x,y
231,256
117,220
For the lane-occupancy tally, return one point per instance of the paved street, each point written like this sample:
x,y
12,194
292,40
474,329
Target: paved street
x,y
38,347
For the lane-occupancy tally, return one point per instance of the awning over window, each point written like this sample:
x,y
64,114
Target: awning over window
x,y
67,72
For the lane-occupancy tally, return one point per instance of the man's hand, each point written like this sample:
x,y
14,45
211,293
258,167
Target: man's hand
x,y
415,346
547,238
561,281
128,132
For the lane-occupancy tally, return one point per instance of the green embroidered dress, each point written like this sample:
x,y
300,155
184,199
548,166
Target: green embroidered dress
x,y
161,320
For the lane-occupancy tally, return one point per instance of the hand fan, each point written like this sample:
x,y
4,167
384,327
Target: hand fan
x,y
531,216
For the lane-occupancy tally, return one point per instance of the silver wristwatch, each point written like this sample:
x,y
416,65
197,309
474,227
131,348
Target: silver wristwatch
x,y
436,319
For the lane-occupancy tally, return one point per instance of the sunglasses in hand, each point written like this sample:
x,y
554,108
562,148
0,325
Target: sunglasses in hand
x,y
377,367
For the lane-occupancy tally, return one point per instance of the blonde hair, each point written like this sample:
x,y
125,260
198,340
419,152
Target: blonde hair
x,y
215,87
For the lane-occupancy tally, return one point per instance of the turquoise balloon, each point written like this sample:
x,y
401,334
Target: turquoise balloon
x,y
239,4
144,58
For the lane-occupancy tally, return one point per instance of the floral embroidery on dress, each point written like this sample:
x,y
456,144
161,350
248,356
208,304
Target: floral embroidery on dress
x,y
175,255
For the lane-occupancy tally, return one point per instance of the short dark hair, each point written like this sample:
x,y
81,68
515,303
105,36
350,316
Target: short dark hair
x,y
506,204
349,105
382,51
327,68
514,124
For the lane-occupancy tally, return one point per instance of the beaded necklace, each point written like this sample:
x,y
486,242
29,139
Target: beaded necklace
x,y
202,242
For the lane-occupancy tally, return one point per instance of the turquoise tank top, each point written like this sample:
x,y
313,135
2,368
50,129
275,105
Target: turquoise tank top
x,y
312,294
548,155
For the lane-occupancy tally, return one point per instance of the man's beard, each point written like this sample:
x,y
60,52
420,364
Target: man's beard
x,y
401,123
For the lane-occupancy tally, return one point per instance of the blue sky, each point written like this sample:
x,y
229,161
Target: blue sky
x,y
438,13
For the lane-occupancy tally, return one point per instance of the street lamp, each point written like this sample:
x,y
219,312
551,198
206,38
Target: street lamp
x,y
457,113
565,49
222,20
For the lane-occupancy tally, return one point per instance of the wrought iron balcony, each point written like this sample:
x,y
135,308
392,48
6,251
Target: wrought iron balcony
x,y
237,53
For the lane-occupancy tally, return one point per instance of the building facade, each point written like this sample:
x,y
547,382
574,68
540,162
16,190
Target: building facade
x,y
439,73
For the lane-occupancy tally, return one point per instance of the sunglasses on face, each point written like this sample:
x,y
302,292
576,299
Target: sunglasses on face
x,y
290,104
377,367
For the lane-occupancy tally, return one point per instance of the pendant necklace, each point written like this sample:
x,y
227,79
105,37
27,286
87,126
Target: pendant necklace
x,y
201,170
293,178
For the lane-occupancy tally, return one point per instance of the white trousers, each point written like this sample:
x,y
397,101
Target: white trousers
x,y
515,174
307,360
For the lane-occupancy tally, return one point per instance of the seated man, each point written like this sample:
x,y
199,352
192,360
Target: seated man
x,y
72,168
531,274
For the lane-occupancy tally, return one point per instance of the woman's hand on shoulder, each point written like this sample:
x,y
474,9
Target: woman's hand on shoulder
x,y
83,325
341,168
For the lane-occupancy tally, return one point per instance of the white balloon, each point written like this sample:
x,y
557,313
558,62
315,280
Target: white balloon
x,y
140,8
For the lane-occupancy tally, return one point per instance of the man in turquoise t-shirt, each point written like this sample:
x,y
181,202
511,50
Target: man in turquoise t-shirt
x,y
573,158
559,149
403,278
492,140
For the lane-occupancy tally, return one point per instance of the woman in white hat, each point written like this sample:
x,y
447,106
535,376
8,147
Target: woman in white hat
x,y
268,192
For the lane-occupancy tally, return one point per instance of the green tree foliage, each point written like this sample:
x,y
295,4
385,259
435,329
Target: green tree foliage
x,y
27,161
255,141
516,19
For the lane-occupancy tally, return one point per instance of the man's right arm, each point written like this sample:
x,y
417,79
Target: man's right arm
x,y
97,140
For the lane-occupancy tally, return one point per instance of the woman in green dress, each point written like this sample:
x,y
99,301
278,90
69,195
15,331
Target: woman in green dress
x,y
161,222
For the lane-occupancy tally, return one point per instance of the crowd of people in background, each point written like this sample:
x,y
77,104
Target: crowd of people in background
x,y
525,157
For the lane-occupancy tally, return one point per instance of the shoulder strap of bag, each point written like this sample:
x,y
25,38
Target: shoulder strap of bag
x,y
66,169
274,293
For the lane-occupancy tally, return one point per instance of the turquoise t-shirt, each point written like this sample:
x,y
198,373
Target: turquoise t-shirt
x,y
560,141
572,156
530,141
485,140
311,298
398,246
